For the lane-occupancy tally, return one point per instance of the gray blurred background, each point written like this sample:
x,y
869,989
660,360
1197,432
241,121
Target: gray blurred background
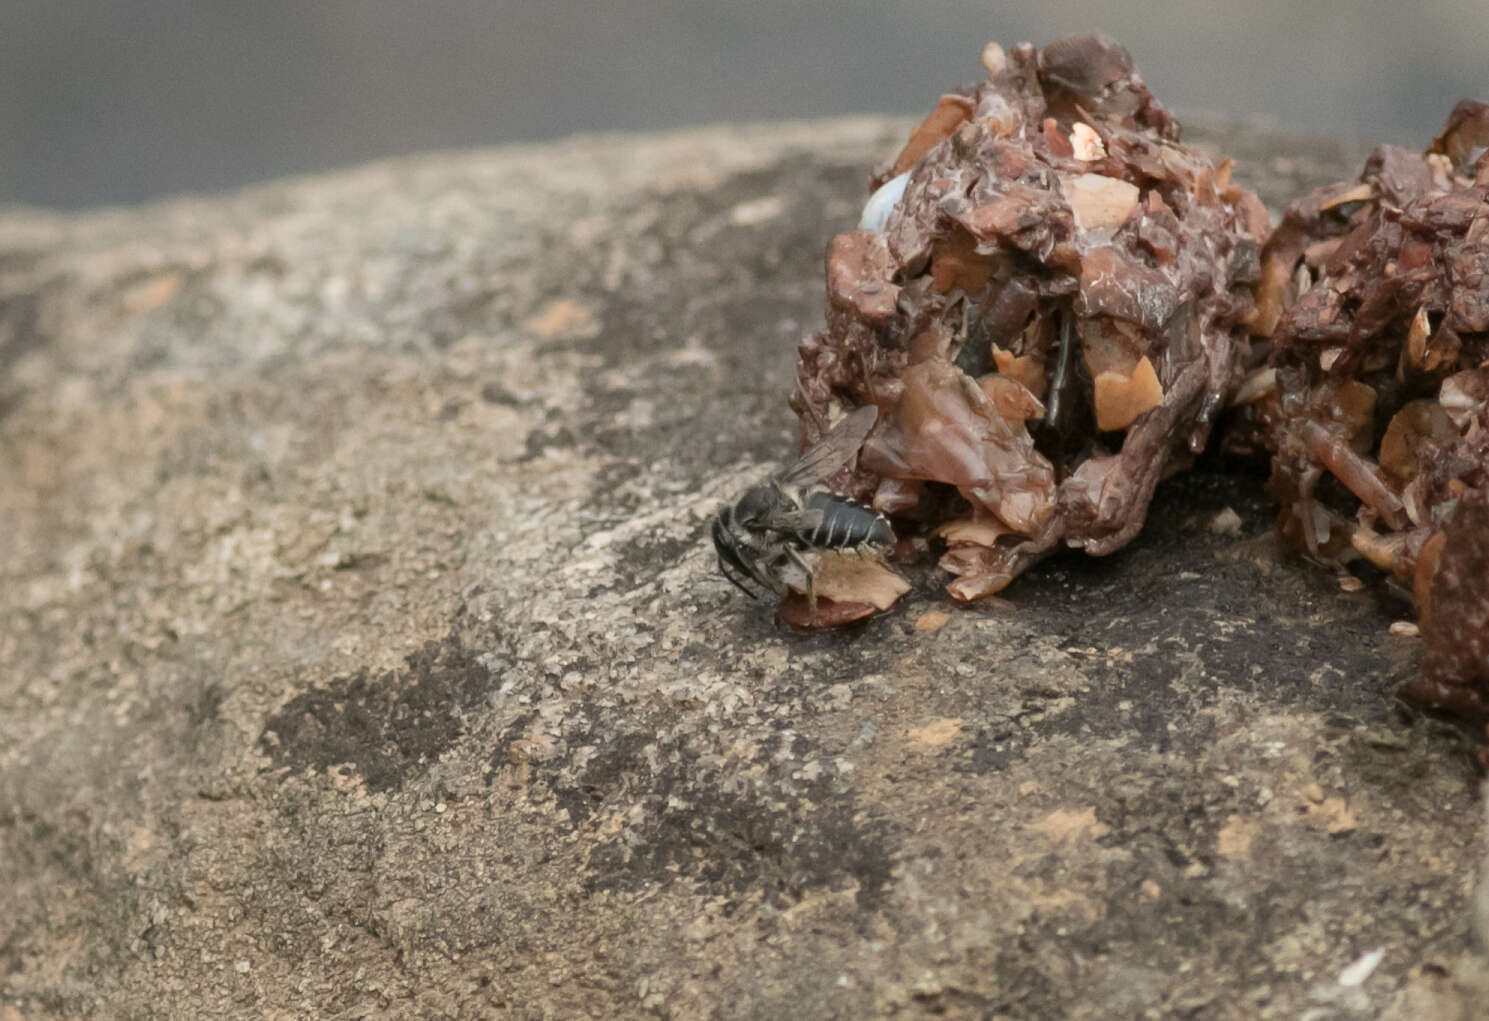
x,y
123,100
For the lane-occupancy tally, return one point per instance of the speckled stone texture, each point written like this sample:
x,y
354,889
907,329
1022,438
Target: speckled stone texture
x,y
362,653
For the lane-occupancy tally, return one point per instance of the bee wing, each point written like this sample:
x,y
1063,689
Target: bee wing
x,y
792,520
837,449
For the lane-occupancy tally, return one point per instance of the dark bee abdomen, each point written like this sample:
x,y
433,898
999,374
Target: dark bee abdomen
x,y
846,525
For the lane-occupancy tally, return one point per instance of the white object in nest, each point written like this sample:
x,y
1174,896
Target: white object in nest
x,y
880,204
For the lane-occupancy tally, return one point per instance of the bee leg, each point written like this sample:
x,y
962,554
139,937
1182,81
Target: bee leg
x,y
800,561
736,582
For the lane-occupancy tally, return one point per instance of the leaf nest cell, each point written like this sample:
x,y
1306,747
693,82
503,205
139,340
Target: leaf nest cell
x,y
1374,405
847,588
1048,316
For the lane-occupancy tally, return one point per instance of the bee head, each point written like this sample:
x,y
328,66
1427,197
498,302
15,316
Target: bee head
x,y
755,504
731,564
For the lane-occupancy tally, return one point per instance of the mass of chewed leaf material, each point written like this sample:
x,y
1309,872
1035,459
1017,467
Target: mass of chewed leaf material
x,y
1049,317
1374,403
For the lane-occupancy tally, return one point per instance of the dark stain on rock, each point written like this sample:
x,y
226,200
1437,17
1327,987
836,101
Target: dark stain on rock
x,y
207,707
724,829
506,746
389,725
20,332
540,440
495,393
995,748
607,773
732,839
1183,614
647,556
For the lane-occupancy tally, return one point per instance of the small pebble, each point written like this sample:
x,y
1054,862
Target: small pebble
x,y
1404,629
1349,583
1227,522
1362,968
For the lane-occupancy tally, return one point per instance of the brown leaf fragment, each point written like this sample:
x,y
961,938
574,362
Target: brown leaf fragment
x,y
1121,399
1114,284
1384,551
859,268
948,115
1354,407
1012,399
848,587
1411,438
1059,144
1022,217
1099,202
1358,193
1027,369
975,530
894,496
956,264
1416,338
797,611
1469,272
983,571
846,578
1465,137
948,430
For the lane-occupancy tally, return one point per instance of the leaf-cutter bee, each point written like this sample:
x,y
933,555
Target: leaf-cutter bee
x,y
767,536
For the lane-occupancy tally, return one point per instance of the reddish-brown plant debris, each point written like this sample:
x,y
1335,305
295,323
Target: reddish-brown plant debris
x,y
1047,302
1375,400
845,588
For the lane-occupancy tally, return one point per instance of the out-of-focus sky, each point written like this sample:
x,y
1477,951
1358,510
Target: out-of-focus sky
x,y
105,101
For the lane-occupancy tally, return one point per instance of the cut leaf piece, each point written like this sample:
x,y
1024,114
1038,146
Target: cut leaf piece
x,y
1121,399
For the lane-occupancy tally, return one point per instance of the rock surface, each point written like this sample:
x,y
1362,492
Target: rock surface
x,y
363,653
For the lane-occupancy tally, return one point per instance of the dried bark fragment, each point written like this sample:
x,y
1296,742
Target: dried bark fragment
x,y
1070,287
1375,299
